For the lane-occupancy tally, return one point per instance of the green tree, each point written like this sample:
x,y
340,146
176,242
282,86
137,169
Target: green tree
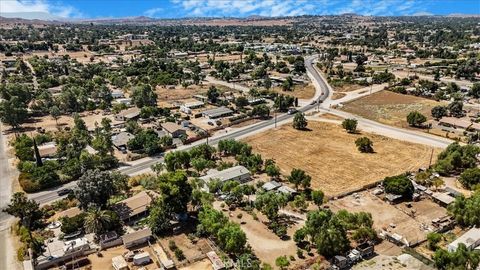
x,y
433,239
439,112
231,238
261,111
461,258
299,121
465,210
55,113
470,178
159,217
399,185
269,203
456,108
26,210
364,145
213,94
94,188
318,197
97,221
475,90
282,262
416,119
299,177
175,190
13,112
350,125
144,95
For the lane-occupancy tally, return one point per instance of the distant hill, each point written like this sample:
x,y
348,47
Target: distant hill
x,y
44,16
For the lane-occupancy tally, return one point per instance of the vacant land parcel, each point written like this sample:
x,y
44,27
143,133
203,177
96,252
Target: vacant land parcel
x,y
329,155
390,108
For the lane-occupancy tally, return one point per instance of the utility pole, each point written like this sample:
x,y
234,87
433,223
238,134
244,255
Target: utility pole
x,y
275,119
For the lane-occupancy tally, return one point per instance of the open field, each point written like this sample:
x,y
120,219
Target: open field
x,y
299,91
390,108
179,92
329,155
410,223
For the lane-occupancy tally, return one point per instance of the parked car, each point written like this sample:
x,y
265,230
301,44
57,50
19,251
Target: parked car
x,y
292,111
64,191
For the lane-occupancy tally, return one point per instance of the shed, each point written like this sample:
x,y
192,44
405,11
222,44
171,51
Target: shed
x,y
141,258
268,186
47,149
471,239
217,263
237,173
119,263
217,112
444,199
286,190
137,237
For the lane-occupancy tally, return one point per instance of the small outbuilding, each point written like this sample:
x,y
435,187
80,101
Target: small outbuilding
x,y
119,263
137,237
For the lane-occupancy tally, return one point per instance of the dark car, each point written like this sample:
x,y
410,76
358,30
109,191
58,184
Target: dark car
x,y
292,111
64,191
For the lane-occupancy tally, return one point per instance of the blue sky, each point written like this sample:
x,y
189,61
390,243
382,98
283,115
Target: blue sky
x,y
236,8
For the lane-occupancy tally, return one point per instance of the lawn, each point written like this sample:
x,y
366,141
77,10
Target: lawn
x,y
329,155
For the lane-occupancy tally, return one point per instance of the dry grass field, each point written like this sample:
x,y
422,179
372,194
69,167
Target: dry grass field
x,y
299,91
329,155
390,108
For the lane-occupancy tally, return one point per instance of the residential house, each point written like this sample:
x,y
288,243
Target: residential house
x,y
134,206
121,139
128,114
173,129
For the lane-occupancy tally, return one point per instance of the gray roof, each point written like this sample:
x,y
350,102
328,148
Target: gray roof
x,y
271,185
121,138
286,190
217,112
135,236
227,174
471,239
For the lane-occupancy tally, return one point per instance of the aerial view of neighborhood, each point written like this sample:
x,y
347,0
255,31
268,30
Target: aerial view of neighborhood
x,y
240,134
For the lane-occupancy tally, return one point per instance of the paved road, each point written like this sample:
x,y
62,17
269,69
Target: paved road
x,y
7,253
323,94
394,132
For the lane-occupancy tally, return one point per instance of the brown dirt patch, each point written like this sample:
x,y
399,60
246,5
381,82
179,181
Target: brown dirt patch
x,y
390,108
329,155
337,95
299,91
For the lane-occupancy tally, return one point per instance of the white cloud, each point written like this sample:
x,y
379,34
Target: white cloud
x,y
57,9
152,12
238,8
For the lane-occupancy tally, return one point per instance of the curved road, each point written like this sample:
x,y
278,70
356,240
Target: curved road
x,y
323,93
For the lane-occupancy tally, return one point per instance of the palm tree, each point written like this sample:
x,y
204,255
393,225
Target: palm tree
x,y
97,221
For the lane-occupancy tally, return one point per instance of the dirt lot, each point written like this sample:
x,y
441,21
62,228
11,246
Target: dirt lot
x,y
266,245
192,251
411,226
390,108
204,264
299,91
179,92
105,262
329,155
